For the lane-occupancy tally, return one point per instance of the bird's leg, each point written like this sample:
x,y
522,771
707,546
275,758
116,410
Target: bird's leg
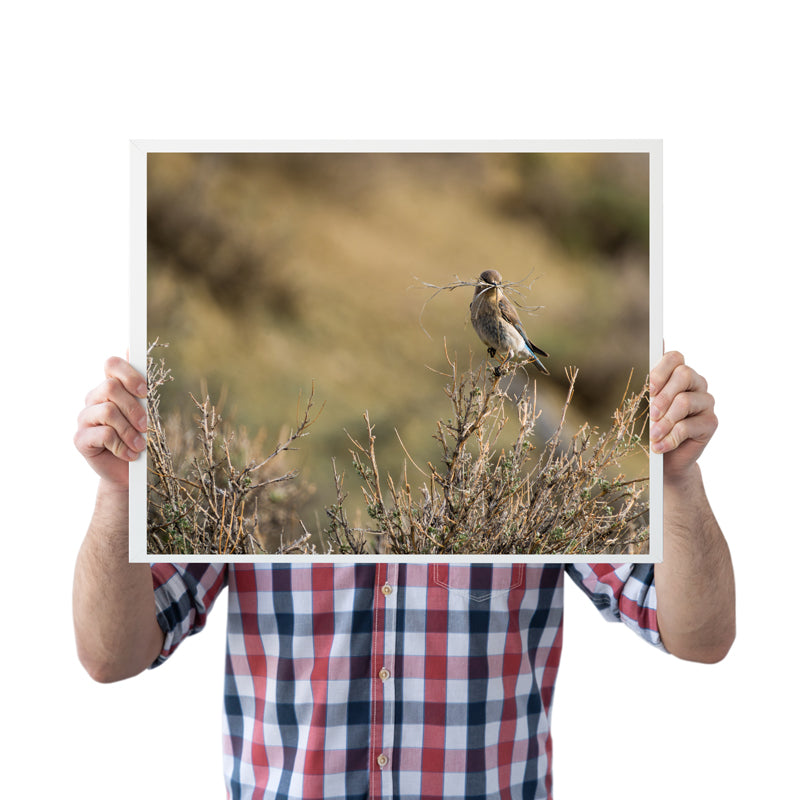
x,y
498,370
492,353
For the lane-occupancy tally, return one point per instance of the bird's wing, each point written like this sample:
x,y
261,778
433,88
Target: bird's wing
x,y
509,313
511,316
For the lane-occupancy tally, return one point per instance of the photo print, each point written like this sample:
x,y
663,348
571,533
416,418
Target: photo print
x,y
423,351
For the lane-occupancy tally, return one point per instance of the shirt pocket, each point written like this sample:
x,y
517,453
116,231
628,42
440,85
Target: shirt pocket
x,y
479,583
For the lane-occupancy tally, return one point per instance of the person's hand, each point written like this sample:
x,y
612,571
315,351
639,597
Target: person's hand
x,y
110,427
681,414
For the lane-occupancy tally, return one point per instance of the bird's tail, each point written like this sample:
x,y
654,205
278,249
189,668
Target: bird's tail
x,y
534,351
538,364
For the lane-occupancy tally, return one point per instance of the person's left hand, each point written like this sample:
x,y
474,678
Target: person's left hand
x,y
682,419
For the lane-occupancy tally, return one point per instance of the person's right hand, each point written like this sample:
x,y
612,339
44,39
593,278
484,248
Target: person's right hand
x,y
111,424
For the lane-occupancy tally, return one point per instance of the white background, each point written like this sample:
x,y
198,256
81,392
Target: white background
x,y
716,81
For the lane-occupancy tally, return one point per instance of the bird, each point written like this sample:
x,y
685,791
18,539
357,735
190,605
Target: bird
x,y
497,323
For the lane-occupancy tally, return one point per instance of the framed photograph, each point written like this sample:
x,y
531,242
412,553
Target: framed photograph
x,y
396,350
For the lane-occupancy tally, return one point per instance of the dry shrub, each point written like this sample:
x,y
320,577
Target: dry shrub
x,y
209,503
488,500
482,498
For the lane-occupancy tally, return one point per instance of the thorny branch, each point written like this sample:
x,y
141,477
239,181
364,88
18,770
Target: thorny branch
x,y
480,497
484,499
210,503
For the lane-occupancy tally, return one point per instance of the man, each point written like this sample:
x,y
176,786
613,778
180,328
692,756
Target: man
x,y
394,680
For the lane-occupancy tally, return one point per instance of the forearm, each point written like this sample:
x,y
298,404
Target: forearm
x,y
694,584
113,603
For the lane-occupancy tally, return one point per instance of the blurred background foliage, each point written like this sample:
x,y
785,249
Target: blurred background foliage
x,y
267,272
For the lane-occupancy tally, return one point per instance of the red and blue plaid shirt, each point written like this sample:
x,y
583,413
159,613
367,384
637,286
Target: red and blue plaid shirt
x,y
423,681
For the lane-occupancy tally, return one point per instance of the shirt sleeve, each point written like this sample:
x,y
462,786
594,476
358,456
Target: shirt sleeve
x,y
184,595
622,593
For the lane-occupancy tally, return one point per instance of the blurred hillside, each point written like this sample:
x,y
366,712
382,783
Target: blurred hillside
x,y
267,272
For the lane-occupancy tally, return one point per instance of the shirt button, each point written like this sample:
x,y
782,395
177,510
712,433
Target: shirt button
x,y
386,589
384,674
382,760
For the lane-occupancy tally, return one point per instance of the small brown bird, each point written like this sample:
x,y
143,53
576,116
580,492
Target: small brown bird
x,y
497,322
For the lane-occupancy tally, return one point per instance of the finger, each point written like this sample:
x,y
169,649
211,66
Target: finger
x,y
685,404
113,391
660,373
108,415
698,429
680,379
130,378
93,441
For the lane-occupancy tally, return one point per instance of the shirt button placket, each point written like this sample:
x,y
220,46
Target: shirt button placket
x,y
385,673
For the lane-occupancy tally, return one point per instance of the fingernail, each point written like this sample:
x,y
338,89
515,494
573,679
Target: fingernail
x,y
658,446
141,390
139,443
141,423
131,455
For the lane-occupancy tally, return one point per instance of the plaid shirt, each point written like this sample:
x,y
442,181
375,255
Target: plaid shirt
x,y
390,680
